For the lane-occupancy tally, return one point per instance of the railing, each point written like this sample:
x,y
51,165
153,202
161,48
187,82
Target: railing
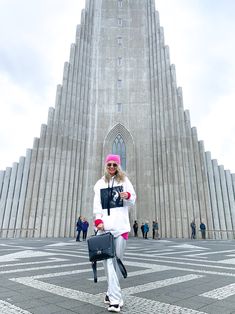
x,y
220,234
15,231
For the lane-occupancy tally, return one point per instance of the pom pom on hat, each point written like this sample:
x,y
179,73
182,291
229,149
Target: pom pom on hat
x,y
115,158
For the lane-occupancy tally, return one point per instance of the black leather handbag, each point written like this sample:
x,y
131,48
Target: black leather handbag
x,y
101,247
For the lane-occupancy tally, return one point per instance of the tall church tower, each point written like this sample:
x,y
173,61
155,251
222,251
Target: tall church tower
x,y
119,94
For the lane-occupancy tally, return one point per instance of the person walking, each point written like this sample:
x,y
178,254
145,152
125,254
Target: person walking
x,y
193,229
142,229
146,230
135,228
85,226
155,230
114,194
203,230
79,228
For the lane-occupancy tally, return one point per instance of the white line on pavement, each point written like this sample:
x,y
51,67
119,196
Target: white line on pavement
x,y
133,304
160,284
37,268
158,259
220,293
51,260
7,308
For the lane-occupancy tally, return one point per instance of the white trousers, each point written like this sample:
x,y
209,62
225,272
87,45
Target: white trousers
x,y
113,272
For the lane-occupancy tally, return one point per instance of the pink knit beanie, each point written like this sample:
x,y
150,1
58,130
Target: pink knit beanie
x,y
115,158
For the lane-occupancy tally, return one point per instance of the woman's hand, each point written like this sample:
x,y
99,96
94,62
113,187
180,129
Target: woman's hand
x,y
124,195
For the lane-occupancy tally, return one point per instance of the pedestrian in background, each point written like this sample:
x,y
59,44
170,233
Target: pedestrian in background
x,y
85,226
142,229
193,229
79,228
203,229
155,230
135,228
146,230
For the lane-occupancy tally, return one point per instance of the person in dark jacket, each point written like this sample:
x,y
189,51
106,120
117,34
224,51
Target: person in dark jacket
x,y
155,230
193,230
146,230
142,229
135,228
203,230
85,226
79,228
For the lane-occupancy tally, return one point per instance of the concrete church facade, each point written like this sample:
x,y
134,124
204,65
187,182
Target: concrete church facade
x,y
119,94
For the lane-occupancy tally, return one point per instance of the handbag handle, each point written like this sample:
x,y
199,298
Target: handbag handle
x,y
109,196
121,267
94,268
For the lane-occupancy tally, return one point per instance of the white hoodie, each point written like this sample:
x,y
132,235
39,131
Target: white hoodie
x,y
118,220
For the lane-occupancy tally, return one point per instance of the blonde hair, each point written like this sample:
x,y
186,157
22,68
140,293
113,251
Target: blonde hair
x,y
119,176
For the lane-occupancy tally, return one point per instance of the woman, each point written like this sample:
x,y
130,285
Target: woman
x,y
113,194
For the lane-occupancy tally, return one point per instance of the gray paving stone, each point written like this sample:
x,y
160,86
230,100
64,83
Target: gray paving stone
x,y
159,284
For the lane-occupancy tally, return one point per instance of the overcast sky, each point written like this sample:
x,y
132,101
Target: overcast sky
x,y
35,38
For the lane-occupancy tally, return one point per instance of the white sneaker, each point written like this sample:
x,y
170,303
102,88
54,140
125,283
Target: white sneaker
x,y
114,308
106,299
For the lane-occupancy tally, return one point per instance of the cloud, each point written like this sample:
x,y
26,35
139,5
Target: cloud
x,y
202,46
35,39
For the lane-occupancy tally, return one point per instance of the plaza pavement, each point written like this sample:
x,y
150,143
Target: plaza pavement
x,y
42,276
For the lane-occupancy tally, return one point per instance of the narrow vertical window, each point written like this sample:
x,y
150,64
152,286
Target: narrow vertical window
x,y
120,3
119,83
119,40
119,61
119,22
119,107
119,148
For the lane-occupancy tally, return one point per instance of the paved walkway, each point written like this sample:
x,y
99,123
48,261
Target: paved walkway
x,y
164,276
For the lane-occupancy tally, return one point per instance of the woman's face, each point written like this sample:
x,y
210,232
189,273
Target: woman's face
x,y
112,167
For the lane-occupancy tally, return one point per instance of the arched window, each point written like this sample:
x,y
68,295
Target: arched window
x,y
119,148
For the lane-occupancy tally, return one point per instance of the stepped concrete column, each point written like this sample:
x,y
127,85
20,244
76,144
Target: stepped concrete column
x,y
7,214
28,199
41,209
2,173
177,114
57,187
198,168
227,212
47,224
219,198
192,172
16,198
213,200
34,215
184,121
4,196
23,190
206,191
231,199
161,157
